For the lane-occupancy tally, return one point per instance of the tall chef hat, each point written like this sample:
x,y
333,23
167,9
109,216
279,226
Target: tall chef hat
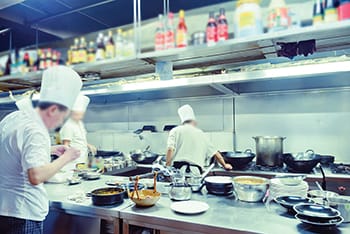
x,y
186,113
81,103
61,85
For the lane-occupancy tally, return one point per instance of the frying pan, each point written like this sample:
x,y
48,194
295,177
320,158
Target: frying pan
x,y
146,157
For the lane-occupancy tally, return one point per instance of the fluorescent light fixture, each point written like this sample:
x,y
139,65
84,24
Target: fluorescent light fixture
x,y
7,3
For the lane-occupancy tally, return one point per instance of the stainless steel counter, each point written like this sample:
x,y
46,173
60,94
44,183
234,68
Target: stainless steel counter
x,y
59,195
225,214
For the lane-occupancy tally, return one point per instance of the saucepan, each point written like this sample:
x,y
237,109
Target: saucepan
x,y
107,196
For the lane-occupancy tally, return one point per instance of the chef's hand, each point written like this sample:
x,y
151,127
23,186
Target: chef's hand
x,y
71,154
92,149
228,166
58,149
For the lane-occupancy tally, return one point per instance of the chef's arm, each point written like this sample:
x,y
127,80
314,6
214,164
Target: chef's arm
x,y
221,160
92,149
38,175
169,156
66,142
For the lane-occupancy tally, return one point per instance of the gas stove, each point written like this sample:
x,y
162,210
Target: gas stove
x,y
340,168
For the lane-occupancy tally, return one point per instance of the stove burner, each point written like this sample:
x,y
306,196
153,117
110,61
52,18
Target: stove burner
x,y
253,167
340,168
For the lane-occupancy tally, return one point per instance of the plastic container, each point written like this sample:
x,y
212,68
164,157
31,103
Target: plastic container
x,y
344,10
248,18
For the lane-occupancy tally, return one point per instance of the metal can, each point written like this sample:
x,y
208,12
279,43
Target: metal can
x,y
198,38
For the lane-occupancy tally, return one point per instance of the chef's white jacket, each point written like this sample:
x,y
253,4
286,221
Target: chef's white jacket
x,y
24,144
190,144
74,131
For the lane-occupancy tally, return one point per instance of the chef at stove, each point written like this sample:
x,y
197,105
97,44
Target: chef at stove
x,y
73,132
189,143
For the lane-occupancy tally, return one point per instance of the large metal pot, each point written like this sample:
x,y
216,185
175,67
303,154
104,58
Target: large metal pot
x,y
250,188
269,150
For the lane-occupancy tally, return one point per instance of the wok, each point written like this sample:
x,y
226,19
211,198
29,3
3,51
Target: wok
x,y
238,159
301,162
103,153
145,157
107,196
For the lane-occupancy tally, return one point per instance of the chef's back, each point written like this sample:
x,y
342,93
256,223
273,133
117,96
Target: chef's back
x,y
190,144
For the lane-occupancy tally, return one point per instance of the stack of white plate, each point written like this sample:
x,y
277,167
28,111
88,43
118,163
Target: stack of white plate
x,y
277,188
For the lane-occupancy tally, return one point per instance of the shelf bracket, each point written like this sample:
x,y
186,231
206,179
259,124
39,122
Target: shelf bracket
x,y
222,88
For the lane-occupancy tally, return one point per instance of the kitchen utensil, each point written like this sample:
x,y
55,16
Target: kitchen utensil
x,y
102,153
325,198
342,204
289,201
269,150
145,157
219,185
150,128
320,222
168,127
180,192
238,159
326,160
301,162
146,197
250,188
318,193
107,196
92,175
316,210
189,207
291,180
74,180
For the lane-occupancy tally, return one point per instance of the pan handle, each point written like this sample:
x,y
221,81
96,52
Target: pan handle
x,y
147,175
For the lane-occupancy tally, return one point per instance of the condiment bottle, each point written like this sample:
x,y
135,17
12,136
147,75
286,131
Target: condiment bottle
x,y
181,34
169,37
159,34
318,13
330,11
222,26
211,32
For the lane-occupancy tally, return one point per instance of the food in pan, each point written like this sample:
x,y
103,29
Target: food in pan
x,y
250,181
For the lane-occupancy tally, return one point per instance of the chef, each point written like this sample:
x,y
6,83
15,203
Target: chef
x,y
73,132
25,150
189,143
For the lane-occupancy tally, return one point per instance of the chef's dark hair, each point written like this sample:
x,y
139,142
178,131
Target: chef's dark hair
x,y
45,105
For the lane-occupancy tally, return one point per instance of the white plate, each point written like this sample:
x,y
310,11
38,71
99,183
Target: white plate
x,y
189,207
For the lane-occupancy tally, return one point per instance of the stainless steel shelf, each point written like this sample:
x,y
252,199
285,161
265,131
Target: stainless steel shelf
x,y
329,37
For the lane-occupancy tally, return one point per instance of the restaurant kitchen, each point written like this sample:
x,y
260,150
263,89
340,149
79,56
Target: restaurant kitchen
x,y
302,103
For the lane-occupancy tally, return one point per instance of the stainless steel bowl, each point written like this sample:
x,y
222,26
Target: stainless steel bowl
x,y
322,194
250,188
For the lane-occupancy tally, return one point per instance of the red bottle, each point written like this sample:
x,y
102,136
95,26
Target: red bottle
x,y
160,35
222,26
211,30
181,33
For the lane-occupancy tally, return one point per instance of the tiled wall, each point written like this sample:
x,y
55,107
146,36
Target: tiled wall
x,y
110,126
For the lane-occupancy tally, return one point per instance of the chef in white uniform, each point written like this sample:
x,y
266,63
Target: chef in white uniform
x,y
25,150
73,132
189,143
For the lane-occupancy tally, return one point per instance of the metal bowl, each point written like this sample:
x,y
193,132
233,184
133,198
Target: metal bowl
x,y
250,188
322,194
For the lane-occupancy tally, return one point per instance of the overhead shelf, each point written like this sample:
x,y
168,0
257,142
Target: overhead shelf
x,y
329,37
305,77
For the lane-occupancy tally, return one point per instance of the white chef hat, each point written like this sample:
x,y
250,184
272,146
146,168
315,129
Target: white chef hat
x,y
186,113
81,103
61,85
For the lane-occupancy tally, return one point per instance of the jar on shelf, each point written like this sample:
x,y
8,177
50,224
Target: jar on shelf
x,y
248,18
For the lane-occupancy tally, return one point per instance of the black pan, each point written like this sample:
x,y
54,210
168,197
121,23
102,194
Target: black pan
x,y
238,159
301,162
107,196
103,153
289,201
145,157
326,160
316,211
219,185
